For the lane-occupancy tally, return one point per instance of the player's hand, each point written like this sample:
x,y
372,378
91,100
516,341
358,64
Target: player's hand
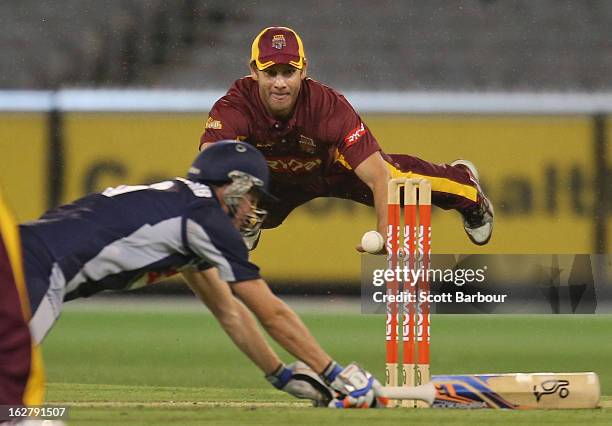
x,y
356,387
360,249
302,382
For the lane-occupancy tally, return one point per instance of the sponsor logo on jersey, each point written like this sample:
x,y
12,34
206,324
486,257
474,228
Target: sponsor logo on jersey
x,y
264,145
307,144
293,165
278,41
355,135
211,123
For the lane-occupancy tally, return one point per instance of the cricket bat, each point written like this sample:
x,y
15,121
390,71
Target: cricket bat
x,y
519,391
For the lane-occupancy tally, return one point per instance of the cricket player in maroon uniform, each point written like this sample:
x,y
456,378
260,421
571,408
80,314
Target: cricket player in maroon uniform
x,y
317,145
21,371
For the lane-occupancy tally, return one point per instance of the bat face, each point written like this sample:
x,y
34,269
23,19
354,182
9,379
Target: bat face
x,y
505,391
467,392
517,391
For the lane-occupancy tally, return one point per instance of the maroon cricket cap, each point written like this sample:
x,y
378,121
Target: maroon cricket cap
x,y
277,45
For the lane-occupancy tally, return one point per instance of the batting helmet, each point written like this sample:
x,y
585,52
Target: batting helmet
x,y
216,163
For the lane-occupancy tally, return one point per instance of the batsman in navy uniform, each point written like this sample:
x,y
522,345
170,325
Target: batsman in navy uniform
x,y
316,144
130,236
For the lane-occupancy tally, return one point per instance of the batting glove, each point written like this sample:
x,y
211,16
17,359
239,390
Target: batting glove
x,y
356,387
302,382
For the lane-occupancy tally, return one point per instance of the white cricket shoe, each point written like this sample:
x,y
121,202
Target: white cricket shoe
x,y
477,222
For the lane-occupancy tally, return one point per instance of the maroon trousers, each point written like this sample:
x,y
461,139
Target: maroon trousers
x,y
345,184
15,342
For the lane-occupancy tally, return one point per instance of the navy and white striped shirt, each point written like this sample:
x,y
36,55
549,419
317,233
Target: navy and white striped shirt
x,y
129,236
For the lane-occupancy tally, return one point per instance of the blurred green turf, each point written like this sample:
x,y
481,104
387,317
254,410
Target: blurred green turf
x,y
133,357
310,416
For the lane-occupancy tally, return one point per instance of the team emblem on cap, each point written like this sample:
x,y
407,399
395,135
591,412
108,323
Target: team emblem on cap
x,y
211,123
278,41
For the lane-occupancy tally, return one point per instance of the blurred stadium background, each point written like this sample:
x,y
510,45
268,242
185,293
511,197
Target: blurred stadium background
x,y
94,94
391,45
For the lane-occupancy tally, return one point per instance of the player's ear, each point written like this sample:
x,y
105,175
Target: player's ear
x,y
253,71
304,70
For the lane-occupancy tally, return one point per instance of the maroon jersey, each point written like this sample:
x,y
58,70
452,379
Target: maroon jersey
x,y
315,152
324,137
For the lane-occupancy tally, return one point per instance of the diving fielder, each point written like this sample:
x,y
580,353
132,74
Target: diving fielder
x,y
130,236
316,144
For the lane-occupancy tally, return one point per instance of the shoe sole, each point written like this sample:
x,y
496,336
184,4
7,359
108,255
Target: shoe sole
x,y
472,168
479,243
469,165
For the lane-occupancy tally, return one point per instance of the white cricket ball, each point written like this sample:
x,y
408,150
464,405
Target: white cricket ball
x,y
372,242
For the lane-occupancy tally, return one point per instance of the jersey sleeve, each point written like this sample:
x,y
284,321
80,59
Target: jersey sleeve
x,y
354,139
224,122
211,236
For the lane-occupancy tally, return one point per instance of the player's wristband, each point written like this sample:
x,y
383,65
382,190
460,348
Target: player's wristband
x,y
331,372
280,377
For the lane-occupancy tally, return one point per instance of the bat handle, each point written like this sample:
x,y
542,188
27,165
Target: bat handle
x,y
426,392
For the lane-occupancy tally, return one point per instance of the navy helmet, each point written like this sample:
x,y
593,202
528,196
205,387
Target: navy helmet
x,y
217,163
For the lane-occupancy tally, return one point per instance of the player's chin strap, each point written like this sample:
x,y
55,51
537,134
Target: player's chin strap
x,y
234,194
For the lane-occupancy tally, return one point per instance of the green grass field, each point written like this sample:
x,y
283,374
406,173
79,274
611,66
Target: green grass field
x,y
158,367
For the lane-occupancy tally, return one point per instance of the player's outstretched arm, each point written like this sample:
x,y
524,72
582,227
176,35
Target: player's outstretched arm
x,y
233,316
282,323
354,386
373,172
240,325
